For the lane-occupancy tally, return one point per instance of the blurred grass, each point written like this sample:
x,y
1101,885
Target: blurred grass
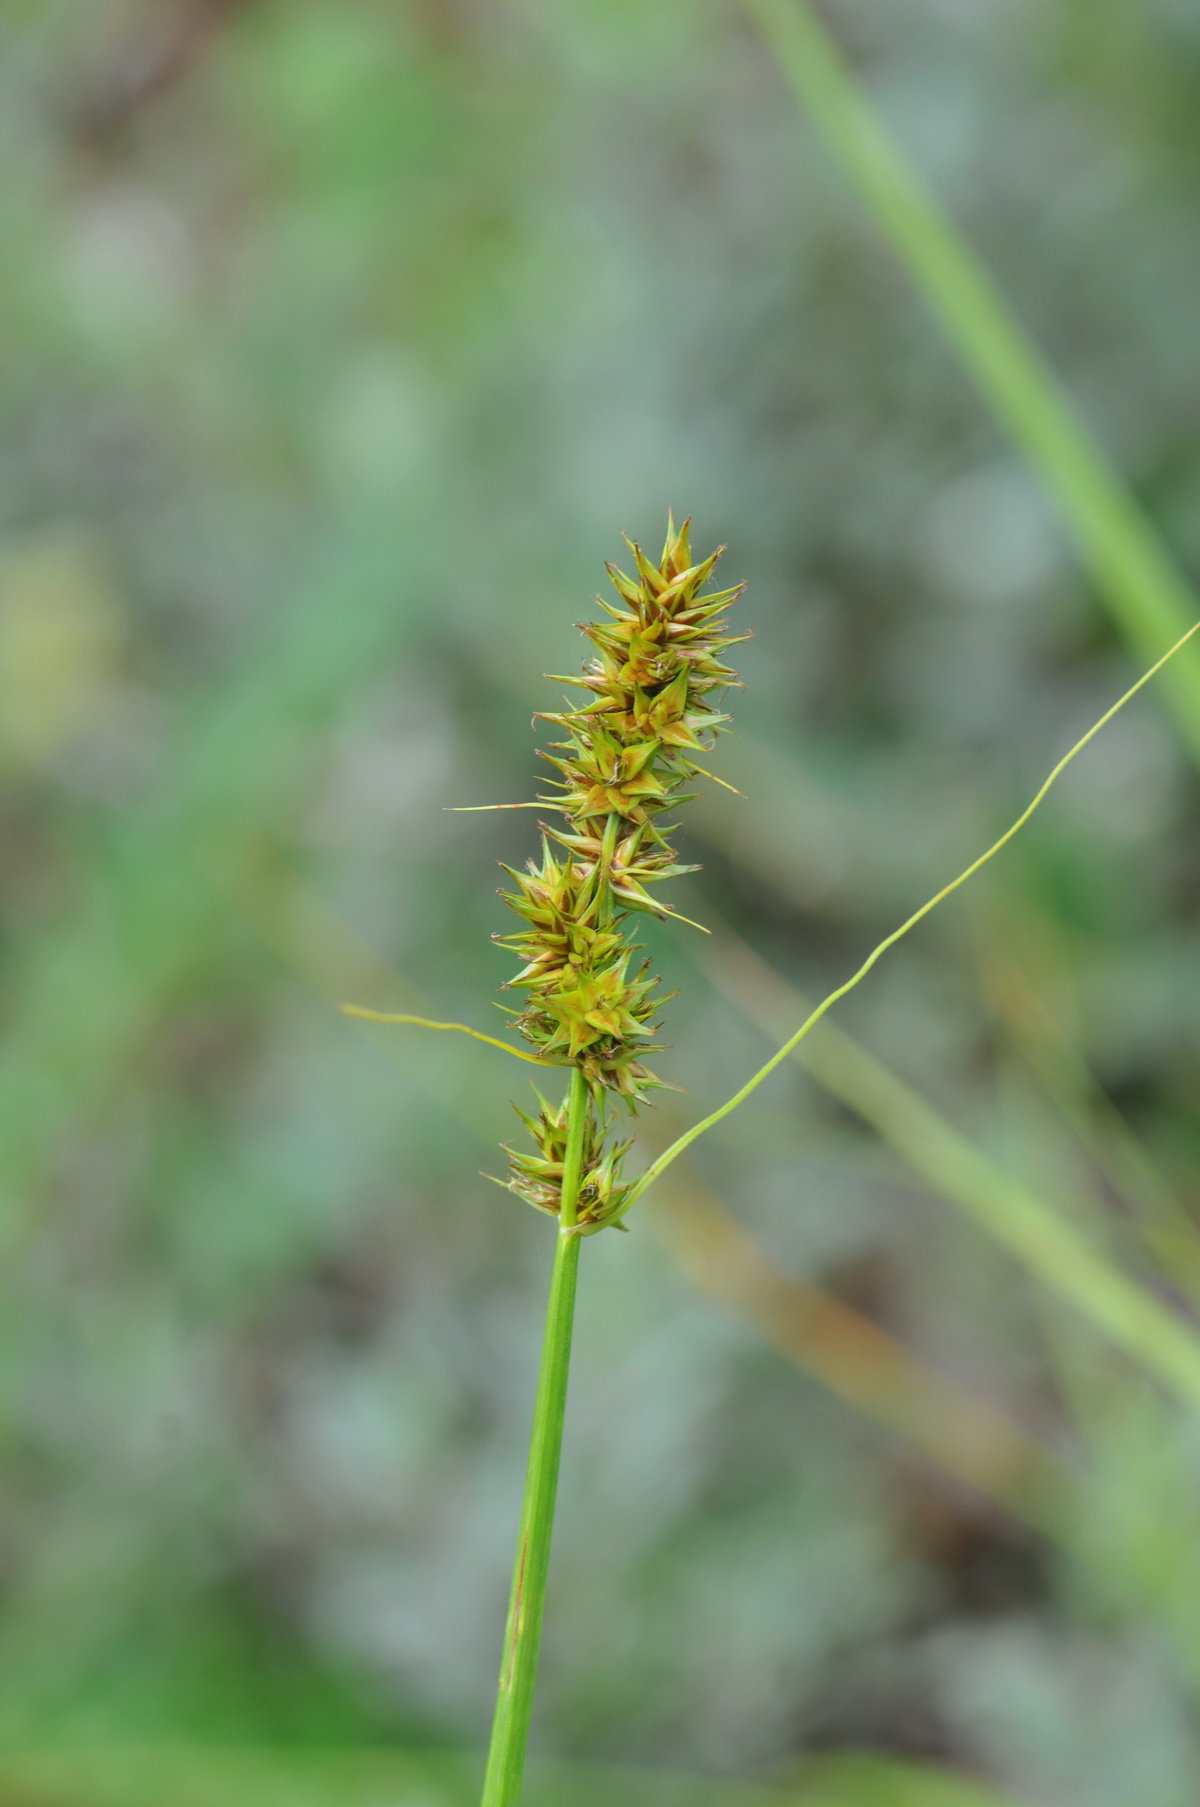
x,y
1149,597
1041,1237
198,1777
91,995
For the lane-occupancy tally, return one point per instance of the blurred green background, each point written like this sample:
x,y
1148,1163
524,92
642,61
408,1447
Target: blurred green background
x,y
341,339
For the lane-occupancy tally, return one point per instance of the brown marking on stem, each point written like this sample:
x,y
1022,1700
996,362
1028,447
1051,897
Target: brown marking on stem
x,y
517,1615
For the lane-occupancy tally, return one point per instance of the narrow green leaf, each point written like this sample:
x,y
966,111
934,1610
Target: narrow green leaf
x,y
1148,597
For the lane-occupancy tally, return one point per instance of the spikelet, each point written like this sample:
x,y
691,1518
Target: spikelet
x,y
625,757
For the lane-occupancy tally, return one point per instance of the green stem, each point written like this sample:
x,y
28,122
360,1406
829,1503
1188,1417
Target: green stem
x,y
522,1637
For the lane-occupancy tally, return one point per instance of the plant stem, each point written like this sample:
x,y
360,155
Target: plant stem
x,y
522,1637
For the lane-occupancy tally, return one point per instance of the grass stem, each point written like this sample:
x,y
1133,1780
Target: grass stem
x,y
522,1637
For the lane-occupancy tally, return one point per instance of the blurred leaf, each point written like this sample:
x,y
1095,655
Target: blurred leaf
x,y
1149,597
1042,1238
859,1781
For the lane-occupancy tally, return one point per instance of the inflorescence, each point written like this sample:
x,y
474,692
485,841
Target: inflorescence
x,y
622,764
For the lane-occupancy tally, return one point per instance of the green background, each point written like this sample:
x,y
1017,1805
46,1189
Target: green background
x,y
340,343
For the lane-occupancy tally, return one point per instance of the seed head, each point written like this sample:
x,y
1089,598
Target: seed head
x,y
622,764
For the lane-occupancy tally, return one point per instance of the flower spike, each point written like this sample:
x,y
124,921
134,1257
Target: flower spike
x,y
624,757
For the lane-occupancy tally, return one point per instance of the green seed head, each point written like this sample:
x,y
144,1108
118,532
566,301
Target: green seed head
x,y
623,762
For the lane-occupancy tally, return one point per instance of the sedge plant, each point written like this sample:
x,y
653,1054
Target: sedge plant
x,y
624,758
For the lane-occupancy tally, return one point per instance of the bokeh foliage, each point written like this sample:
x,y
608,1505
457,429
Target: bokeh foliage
x,y
339,341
